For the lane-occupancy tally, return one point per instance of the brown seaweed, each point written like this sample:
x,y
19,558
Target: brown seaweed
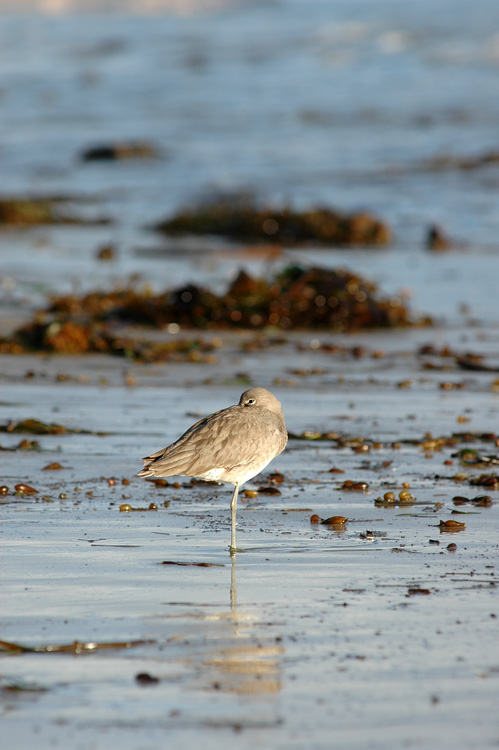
x,y
120,150
296,298
37,427
33,211
246,222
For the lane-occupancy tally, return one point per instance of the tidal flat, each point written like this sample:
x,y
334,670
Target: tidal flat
x,y
361,611
135,626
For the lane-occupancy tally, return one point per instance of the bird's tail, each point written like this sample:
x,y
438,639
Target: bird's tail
x,y
147,471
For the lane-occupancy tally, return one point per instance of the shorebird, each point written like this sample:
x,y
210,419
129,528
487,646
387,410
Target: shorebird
x,y
232,445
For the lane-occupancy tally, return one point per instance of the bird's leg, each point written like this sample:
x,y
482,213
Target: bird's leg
x,y
233,509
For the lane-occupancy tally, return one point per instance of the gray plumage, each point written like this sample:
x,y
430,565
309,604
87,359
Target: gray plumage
x,y
232,445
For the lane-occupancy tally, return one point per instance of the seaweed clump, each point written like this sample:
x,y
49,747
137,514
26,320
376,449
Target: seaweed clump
x,y
120,150
297,298
58,336
245,222
23,212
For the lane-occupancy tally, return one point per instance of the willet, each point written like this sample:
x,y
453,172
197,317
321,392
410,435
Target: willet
x,y
231,445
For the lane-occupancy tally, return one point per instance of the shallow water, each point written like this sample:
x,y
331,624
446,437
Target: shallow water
x,y
313,630
342,104
367,636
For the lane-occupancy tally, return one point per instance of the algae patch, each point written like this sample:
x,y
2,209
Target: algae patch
x,y
244,221
296,298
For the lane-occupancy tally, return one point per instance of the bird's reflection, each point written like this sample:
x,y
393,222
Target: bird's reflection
x,y
233,585
248,662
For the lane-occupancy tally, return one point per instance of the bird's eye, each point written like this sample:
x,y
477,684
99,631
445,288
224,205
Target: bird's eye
x,y
250,401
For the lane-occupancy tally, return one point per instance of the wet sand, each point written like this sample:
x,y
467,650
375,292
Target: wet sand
x,y
374,634
135,628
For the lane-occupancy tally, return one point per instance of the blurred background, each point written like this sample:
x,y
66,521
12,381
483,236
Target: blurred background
x,y
386,106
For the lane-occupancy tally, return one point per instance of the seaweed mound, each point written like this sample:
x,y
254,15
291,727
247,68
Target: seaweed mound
x,y
295,299
25,212
243,221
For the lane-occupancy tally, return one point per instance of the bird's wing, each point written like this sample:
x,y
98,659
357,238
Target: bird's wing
x,y
195,447
227,439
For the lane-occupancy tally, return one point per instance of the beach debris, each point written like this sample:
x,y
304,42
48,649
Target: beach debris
x,y
333,521
268,490
354,486
34,427
76,647
127,508
436,239
243,220
486,480
446,162
23,445
33,211
295,298
37,427
105,252
481,501
121,150
25,489
472,457
145,679
389,498
445,358
452,526
193,564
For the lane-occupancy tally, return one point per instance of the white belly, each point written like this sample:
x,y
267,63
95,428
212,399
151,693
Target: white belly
x,y
236,475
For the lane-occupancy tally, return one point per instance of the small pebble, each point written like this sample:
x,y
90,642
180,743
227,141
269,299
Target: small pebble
x,y
483,501
452,525
268,491
416,590
405,496
335,521
106,252
348,484
362,448
25,489
249,493
276,478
